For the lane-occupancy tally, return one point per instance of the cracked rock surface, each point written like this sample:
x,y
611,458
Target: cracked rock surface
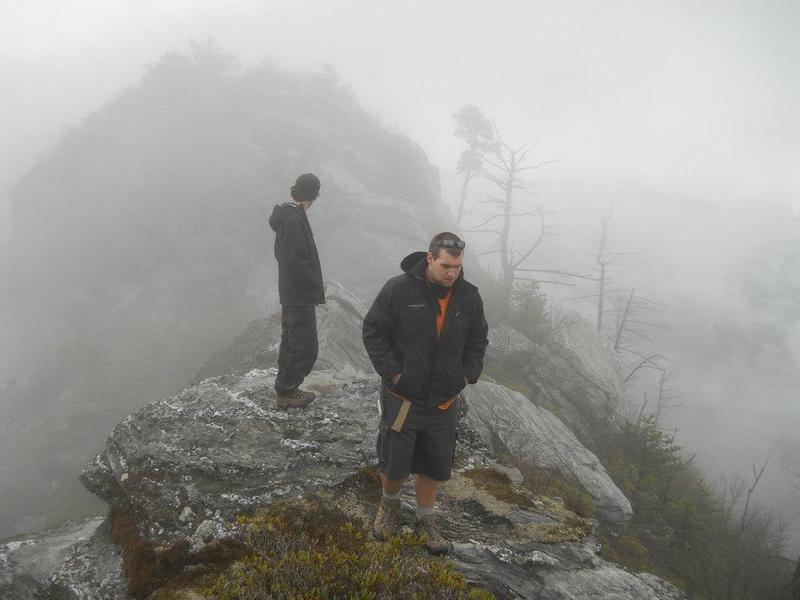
x,y
74,561
222,446
187,465
505,417
574,373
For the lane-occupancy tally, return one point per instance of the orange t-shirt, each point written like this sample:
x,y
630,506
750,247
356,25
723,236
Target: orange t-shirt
x,y
443,305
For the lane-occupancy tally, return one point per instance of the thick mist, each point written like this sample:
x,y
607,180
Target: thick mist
x,y
681,120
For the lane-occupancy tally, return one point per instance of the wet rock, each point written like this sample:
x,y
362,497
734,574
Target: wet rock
x,y
91,570
572,373
38,566
340,348
222,447
507,420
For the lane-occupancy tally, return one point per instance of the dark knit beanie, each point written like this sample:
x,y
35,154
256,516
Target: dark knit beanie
x,y
306,187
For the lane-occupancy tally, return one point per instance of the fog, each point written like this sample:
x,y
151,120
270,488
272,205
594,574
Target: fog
x,y
680,118
692,99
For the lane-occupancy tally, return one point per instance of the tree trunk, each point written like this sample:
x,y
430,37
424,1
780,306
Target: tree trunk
x,y
462,201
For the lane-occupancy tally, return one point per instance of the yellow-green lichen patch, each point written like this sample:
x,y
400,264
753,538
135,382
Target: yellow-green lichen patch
x,y
310,549
544,482
499,486
528,517
572,529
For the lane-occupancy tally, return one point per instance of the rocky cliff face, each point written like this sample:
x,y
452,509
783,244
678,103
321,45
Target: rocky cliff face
x,y
77,560
571,373
184,467
181,469
512,423
586,381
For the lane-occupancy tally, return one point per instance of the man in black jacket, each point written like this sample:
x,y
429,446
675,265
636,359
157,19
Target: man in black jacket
x,y
426,336
300,289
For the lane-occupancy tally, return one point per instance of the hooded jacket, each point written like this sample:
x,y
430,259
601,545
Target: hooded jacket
x,y
399,334
299,271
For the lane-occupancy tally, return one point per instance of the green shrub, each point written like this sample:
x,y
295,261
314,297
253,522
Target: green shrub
x,y
308,550
545,482
527,311
149,567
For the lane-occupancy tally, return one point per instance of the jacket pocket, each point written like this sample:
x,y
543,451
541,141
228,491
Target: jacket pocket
x,y
409,379
452,373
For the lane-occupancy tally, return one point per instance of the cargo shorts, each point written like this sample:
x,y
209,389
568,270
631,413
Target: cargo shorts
x,y
424,445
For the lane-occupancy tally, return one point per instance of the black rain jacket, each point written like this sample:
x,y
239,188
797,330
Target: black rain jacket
x,y
400,335
299,271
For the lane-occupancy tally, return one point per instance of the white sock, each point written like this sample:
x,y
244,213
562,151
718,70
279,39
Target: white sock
x,y
423,511
391,496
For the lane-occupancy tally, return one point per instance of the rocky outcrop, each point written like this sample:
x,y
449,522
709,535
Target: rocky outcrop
x,y
74,561
501,415
340,347
184,467
572,373
506,418
187,465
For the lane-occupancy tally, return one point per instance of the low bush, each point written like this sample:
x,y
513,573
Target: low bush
x,y
308,550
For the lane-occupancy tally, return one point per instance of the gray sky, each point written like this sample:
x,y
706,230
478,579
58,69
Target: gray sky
x,y
696,98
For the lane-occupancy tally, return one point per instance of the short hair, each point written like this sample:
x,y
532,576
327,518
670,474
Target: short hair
x,y
306,187
435,246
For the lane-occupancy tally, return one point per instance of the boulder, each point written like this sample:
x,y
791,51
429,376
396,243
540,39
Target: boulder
x,y
340,347
73,561
188,465
507,420
222,446
572,373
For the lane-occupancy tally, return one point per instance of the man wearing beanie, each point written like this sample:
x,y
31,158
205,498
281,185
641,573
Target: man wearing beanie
x,y
300,289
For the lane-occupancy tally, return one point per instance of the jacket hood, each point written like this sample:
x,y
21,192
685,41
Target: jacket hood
x,y
415,264
280,213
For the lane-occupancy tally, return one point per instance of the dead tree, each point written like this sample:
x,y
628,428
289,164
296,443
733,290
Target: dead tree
x,y
666,396
505,168
478,131
738,557
604,259
631,311
635,321
794,586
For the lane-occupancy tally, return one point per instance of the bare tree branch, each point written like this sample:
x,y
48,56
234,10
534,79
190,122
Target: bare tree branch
x,y
644,364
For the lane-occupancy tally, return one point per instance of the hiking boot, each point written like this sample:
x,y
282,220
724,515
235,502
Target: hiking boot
x,y
295,398
427,529
387,521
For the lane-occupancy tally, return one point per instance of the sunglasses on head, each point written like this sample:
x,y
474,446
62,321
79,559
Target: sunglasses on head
x,y
451,243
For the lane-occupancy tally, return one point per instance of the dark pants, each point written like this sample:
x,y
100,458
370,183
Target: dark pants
x,y
299,346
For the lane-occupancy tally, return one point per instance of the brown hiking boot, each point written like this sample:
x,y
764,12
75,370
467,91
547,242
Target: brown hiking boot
x,y
387,521
427,529
295,398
